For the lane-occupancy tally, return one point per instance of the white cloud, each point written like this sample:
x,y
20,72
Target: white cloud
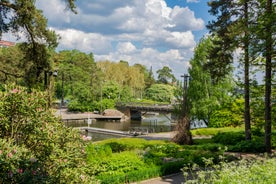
x,y
86,42
192,1
126,47
138,31
184,19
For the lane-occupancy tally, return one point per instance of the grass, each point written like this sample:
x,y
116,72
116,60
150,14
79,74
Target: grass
x,y
134,159
214,131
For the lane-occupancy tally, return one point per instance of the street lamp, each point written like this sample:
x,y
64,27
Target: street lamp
x,y
185,91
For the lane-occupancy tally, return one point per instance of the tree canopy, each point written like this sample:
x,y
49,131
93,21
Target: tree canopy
x,y
23,19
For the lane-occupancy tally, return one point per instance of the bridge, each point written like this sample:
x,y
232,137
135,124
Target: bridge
x,y
134,109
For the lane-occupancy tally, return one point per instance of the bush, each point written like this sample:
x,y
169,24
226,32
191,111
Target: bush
x,y
132,176
229,138
117,162
28,125
253,146
77,106
245,171
123,144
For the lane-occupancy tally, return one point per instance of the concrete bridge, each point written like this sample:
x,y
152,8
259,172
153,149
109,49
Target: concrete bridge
x,y
135,110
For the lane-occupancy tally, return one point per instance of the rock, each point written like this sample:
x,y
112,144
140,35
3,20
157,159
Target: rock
x,y
112,112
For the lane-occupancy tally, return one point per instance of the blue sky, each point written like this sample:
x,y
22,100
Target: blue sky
x,y
153,33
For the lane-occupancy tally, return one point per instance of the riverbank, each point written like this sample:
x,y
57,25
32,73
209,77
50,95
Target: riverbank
x,y
65,114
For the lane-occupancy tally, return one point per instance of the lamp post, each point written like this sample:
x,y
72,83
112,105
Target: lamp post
x,y
101,99
185,92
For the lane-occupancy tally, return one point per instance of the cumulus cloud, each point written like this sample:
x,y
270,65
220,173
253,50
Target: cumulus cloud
x,y
126,47
148,32
86,42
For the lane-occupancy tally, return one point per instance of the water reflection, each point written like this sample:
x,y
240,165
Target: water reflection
x,y
157,123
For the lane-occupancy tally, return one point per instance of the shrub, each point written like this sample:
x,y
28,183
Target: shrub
x,y
18,164
229,138
245,171
253,146
117,162
132,176
75,105
123,144
28,124
172,167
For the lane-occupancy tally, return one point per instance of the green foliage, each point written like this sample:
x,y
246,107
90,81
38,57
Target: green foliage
x,y
229,138
78,77
245,171
204,93
160,93
28,125
18,164
84,106
126,144
132,176
230,114
122,162
23,17
165,75
106,104
130,77
214,131
252,146
235,141
133,159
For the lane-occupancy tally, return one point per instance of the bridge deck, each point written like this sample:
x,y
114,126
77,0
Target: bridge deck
x,y
146,107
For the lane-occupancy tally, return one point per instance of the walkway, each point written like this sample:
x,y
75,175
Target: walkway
x,y
172,179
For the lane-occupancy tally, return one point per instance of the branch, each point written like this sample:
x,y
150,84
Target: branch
x,y
9,5
11,74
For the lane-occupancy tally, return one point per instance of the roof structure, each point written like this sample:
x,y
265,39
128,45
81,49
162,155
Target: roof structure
x,y
6,43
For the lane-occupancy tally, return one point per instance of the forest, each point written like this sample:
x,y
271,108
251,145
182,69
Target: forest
x,y
234,95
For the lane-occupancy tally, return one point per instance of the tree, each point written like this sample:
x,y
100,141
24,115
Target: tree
x,y
221,52
183,134
149,80
160,93
127,76
205,95
165,75
232,27
21,17
78,77
148,74
269,17
11,69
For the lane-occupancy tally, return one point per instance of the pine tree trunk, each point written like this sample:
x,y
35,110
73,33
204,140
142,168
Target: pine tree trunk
x,y
268,68
246,78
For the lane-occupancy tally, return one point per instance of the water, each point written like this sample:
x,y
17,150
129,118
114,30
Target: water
x,y
153,122
157,123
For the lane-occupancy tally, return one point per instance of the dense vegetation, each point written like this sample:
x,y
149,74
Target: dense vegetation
x,y
35,147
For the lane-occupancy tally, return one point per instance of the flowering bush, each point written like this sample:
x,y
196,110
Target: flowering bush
x,y
34,144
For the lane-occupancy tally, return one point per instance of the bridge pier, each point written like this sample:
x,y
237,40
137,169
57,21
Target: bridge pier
x,y
135,115
134,110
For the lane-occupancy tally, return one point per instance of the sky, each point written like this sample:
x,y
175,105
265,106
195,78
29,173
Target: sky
x,y
154,33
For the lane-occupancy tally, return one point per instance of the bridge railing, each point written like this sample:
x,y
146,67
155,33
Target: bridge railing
x,y
141,104
146,106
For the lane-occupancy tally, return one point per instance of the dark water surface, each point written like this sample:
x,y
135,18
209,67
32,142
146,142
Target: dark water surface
x,y
154,123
